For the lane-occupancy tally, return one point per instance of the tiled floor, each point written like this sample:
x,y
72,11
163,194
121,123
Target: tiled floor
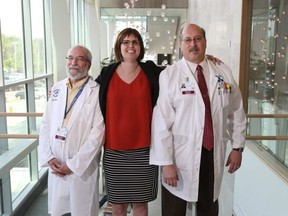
x,y
39,208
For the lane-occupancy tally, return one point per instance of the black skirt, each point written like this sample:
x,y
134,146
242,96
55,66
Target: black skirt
x,y
129,177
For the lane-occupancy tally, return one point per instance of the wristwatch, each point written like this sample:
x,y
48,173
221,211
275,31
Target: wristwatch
x,y
239,149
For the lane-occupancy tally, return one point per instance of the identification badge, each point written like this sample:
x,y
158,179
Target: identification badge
x,y
187,88
61,134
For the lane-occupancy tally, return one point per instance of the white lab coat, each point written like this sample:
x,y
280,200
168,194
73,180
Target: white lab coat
x,y
78,192
178,123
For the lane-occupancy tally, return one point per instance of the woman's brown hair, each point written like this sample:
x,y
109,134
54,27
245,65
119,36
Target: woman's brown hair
x,y
124,33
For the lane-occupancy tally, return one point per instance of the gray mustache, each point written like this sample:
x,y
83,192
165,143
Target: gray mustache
x,y
192,49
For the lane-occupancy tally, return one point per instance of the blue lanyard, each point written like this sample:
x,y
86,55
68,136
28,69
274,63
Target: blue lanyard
x,y
75,98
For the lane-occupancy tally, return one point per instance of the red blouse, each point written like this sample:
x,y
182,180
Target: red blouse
x,y
128,113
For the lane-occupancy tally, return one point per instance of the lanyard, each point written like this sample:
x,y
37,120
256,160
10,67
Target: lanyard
x,y
75,98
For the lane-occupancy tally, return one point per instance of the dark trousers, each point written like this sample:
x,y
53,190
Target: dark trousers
x,y
175,206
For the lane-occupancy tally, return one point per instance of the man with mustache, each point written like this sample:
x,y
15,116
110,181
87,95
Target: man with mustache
x,y
70,139
198,110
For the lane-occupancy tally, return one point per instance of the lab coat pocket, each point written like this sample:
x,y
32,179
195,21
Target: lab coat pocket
x,y
183,150
224,100
184,100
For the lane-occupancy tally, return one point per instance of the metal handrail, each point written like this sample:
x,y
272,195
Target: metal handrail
x,y
267,137
33,136
267,115
3,114
20,136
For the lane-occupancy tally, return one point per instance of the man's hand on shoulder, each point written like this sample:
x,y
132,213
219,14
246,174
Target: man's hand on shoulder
x,y
214,59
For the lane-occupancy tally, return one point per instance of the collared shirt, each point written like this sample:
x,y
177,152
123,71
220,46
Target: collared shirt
x,y
72,92
206,72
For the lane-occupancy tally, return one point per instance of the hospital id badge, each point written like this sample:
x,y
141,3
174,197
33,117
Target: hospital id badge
x,y
187,88
61,134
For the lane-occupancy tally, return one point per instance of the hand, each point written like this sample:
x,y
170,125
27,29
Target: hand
x,y
170,175
214,59
49,93
65,169
234,161
55,166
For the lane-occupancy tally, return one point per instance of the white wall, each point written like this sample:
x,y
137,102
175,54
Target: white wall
x,y
221,20
258,190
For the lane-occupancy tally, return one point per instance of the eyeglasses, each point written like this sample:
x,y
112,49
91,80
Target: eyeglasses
x,y
128,42
195,39
77,58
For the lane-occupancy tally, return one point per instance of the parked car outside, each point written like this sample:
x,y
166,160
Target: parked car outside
x,y
20,95
38,94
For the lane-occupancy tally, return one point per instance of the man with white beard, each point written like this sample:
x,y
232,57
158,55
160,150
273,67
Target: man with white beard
x,y
70,139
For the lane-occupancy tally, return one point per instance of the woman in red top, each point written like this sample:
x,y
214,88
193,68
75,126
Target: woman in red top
x,y
128,93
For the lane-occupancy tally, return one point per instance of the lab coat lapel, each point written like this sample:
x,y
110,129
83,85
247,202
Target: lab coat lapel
x,y
62,91
213,71
187,73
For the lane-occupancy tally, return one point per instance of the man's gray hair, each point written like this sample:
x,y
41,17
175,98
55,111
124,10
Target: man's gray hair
x,y
88,52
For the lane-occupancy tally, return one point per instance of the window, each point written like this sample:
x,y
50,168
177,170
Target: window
x,y
25,56
12,40
38,44
79,16
268,87
20,177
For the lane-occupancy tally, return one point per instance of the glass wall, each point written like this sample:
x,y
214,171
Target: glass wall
x,y
26,75
12,40
79,23
268,81
23,89
38,42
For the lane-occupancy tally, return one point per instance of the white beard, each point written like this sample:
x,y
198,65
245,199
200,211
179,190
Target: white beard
x,y
80,74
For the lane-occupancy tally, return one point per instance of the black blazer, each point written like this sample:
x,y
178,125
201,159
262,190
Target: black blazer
x,y
151,70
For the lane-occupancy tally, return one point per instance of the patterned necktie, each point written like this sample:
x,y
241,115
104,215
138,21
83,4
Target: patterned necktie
x,y
208,137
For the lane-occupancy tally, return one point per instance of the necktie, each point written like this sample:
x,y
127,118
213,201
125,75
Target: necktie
x,y
208,137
